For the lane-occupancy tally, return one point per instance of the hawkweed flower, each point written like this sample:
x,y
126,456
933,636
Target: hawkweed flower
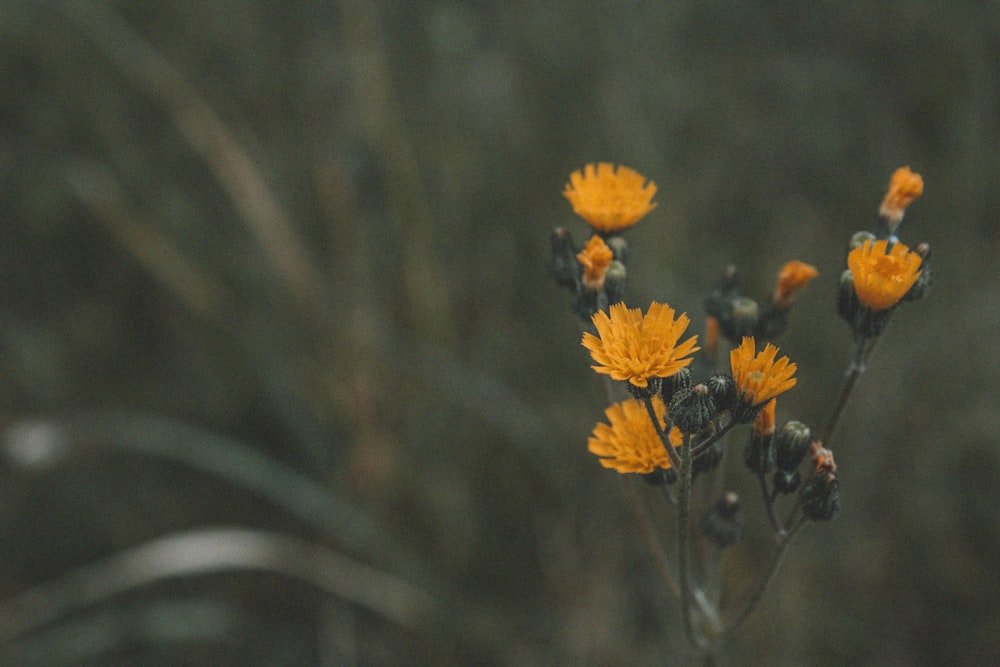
x,y
882,275
639,348
794,276
758,378
904,187
610,200
629,443
595,259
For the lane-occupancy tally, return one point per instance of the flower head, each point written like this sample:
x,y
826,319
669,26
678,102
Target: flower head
x,y
904,187
794,276
758,377
882,278
628,442
636,347
595,259
610,200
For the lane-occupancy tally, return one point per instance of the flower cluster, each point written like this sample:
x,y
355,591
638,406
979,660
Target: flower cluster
x,y
610,199
672,429
881,271
736,316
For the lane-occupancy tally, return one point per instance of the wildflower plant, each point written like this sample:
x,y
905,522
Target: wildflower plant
x,y
684,410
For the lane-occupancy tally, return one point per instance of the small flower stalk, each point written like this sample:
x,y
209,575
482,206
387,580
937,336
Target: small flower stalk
x,y
673,431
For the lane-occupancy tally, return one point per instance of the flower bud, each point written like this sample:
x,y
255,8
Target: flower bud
x,y
651,388
722,388
678,382
859,239
786,482
564,268
744,316
614,282
693,410
708,460
619,246
790,445
820,497
723,524
847,298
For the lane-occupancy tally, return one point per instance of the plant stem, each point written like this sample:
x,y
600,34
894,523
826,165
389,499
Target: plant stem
x,y
769,498
684,542
664,438
863,348
712,439
641,513
782,541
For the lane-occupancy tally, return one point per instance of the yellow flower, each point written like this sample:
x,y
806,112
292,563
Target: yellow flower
x,y
904,187
633,347
758,377
629,443
794,276
595,259
881,279
607,199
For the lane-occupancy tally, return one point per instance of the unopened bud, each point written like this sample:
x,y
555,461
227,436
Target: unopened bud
x,y
791,444
820,497
723,524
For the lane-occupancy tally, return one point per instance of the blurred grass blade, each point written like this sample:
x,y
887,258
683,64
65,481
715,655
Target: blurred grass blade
x,y
215,550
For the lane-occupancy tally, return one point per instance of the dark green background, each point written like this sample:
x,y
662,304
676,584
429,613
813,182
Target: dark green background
x,y
402,347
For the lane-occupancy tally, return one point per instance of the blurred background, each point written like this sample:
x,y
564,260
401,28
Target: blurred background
x,y
283,381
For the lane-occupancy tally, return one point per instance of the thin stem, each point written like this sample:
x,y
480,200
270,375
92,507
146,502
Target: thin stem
x,y
782,542
684,542
863,348
712,439
769,498
641,513
671,453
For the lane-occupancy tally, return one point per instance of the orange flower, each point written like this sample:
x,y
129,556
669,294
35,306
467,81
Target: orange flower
x,y
758,377
794,276
595,258
881,279
904,187
610,201
629,443
764,424
633,347
822,457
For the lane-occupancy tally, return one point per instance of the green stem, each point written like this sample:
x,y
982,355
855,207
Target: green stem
x,y
863,348
769,499
782,542
684,542
648,532
712,439
664,438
